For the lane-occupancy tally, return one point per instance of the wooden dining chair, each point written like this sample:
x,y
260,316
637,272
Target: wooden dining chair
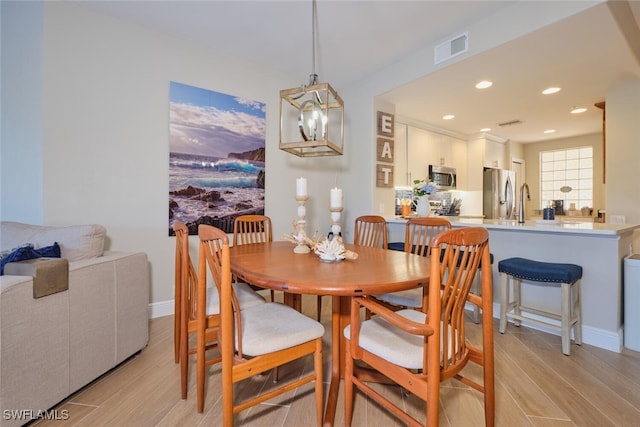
x,y
253,229
370,230
255,339
258,229
182,234
419,349
186,296
419,232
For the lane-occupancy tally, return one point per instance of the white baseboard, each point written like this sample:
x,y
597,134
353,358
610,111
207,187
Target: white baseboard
x,y
161,309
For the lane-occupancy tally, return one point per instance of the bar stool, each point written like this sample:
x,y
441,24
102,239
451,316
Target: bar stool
x,y
565,276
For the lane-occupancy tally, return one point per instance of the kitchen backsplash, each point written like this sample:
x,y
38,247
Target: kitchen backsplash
x,y
471,200
406,193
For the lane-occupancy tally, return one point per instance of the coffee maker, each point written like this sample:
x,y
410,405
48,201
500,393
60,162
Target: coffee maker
x,y
558,206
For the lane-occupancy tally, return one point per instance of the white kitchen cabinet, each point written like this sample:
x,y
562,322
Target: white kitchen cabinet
x,y
416,148
458,158
420,150
484,151
494,154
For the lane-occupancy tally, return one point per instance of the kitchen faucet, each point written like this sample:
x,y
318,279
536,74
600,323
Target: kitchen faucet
x,y
521,206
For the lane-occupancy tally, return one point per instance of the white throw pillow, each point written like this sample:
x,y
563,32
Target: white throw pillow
x,y
76,241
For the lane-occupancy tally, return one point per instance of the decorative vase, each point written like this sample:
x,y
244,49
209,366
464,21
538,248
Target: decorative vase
x,y
422,208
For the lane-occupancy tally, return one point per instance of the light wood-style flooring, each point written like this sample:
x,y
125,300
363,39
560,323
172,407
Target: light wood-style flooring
x,y
536,385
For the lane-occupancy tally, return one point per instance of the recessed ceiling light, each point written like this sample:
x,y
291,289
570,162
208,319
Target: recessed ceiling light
x,y
485,129
578,110
484,84
550,90
549,131
448,117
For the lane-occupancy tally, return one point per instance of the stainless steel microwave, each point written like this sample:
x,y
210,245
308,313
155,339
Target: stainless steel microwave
x,y
444,178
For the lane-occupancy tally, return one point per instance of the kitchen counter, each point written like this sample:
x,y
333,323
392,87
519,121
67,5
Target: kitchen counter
x,y
570,218
535,226
599,248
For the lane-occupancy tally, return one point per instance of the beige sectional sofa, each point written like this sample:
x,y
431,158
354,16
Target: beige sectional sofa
x,y
54,345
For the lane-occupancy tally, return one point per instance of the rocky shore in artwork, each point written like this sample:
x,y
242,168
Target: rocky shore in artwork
x,y
256,155
215,190
209,200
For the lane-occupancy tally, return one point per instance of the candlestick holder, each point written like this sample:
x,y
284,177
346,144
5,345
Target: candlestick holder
x,y
336,214
301,247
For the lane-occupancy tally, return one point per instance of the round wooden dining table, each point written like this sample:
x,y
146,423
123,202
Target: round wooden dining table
x,y
274,265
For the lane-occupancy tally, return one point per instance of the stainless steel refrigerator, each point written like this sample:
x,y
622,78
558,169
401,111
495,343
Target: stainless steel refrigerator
x,y
498,194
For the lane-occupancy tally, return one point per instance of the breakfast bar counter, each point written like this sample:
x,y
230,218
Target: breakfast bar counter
x,y
599,248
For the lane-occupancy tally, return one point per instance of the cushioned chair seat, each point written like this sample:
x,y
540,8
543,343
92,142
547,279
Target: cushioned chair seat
x,y
546,272
380,337
273,326
247,297
411,298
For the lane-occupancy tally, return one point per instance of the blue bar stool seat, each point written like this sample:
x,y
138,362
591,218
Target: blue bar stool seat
x,y
564,276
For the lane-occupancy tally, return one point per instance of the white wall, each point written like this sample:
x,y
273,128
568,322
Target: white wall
x,y
623,151
21,111
623,154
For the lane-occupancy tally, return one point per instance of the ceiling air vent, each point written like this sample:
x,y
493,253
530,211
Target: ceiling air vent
x,y
451,48
510,123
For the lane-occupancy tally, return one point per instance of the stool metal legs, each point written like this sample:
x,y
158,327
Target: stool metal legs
x,y
476,289
570,316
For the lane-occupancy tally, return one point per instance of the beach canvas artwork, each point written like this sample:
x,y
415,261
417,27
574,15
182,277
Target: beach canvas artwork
x,y
216,157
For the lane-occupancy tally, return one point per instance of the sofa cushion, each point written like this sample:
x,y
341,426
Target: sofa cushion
x,y
76,241
27,252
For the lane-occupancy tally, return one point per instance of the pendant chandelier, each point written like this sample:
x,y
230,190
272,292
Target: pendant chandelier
x,y
312,116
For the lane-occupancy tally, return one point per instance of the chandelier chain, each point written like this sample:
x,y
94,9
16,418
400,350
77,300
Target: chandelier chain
x,y
313,42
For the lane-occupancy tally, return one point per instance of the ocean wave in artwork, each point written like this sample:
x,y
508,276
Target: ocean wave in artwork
x,y
224,181
223,165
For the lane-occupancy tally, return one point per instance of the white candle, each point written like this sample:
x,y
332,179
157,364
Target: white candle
x,y
336,197
301,186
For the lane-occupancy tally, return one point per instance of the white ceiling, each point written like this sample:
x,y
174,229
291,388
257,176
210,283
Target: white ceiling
x,y
585,55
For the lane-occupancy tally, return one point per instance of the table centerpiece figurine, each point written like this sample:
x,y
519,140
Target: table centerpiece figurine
x,y
328,250
331,250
